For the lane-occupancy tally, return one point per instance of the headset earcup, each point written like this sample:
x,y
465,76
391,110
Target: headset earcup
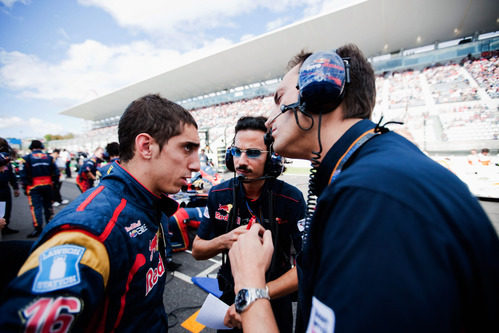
x,y
274,166
229,160
322,82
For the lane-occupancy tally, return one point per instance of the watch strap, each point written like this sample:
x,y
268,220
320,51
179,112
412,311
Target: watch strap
x,y
250,296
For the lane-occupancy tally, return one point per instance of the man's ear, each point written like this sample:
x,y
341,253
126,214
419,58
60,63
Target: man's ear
x,y
144,146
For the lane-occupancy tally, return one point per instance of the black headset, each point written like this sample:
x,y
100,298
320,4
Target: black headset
x,y
274,164
321,82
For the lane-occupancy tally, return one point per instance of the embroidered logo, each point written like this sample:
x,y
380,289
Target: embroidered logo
x,y
153,275
153,246
225,209
58,268
136,229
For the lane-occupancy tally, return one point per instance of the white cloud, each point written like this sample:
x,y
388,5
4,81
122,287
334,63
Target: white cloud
x,y
246,37
163,17
282,21
34,126
10,3
92,69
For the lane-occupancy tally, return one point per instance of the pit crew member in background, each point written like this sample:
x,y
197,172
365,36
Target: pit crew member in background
x,y
88,171
38,175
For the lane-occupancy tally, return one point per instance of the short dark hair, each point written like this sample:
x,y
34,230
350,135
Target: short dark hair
x,y
360,94
154,115
113,149
4,146
35,144
298,59
251,123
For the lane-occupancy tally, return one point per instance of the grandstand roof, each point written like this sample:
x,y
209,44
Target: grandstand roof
x,y
376,26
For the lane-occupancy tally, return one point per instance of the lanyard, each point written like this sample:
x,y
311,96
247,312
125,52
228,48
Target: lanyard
x,y
253,216
352,149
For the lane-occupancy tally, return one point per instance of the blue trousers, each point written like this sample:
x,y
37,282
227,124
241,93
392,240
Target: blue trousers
x,y
40,204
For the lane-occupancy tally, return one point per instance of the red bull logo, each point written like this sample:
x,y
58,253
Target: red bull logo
x,y
225,208
153,275
153,246
133,226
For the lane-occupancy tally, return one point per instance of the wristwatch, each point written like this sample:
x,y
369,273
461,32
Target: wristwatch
x,y
246,296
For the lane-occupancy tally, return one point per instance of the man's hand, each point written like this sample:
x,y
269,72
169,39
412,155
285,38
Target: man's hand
x,y
250,258
232,318
16,193
3,223
233,235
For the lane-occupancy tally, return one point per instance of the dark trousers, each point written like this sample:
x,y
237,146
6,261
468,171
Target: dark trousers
x,y
56,192
40,204
68,169
6,196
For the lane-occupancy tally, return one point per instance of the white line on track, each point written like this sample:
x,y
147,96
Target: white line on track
x,y
209,269
187,278
182,276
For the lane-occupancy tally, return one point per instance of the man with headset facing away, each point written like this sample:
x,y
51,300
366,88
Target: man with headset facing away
x,y
38,175
254,197
397,243
99,265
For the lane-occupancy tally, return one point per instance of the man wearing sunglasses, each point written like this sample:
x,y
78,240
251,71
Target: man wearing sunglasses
x,y
253,197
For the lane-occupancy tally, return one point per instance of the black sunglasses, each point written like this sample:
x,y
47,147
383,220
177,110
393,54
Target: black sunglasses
x,y
250,153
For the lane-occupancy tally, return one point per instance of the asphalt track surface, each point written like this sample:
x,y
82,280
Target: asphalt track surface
x,y
182,299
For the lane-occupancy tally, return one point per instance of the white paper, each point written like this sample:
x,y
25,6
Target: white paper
x,y
212,313
2,208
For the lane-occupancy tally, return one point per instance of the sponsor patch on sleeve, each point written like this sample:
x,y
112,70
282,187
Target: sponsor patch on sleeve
x,y
58,268
206,212
322,318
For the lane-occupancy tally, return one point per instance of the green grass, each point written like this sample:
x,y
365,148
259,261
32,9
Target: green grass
x,y
297,171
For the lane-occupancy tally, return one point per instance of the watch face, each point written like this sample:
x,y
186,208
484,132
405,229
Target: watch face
x,y
241,300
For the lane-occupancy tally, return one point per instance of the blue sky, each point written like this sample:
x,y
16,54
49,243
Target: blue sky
x,y
55,54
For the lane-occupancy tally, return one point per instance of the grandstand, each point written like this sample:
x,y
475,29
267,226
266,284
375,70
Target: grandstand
x,y
446,90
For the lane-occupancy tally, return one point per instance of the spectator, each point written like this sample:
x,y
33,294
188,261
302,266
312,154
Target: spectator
x,y
56,186
484,158
66,157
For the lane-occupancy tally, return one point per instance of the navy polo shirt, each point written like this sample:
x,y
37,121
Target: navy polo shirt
x,y
397,244
279,201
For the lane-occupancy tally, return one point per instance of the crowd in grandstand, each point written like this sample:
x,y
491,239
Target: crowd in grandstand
x,y
438,104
